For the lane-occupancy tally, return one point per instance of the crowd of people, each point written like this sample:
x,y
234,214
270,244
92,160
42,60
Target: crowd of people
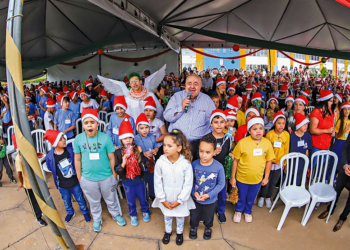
x,y
174,153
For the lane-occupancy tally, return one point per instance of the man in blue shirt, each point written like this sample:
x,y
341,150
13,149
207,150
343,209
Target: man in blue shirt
x,y
75,103
194,123
65,118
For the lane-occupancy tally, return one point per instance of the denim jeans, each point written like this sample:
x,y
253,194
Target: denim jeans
x,y
79,197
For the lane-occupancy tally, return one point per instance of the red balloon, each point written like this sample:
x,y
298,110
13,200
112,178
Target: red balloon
x,y
100,51
236,47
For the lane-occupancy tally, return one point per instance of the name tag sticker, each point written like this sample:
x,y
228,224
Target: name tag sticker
x,y
64,163
257,152
346,135
277,144
67,121
116,131
94,156
301,143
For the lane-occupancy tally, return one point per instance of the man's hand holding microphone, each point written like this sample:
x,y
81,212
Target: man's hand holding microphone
x,y
187,101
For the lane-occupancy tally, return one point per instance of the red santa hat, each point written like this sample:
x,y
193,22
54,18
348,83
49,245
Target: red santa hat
x,y
325,95
318,84
231,87
60,99
248,87
119,101
220,81
232,79
284,88
78,86
239,97
217,112
270,99
82,92
305,92
72,94
45,89
230,114
302,99
255,85
289,98
28,96
183,85
142,120
232,103
256,96
150,103
50,103
345,105
88,83
300,120
125,129
252,109
340,97
277,115
53,91
65,90
103,93
255,120
53,136
92,113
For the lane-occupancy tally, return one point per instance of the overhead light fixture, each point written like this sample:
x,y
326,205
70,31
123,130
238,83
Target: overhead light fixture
x,y
209,45
122,6
135,13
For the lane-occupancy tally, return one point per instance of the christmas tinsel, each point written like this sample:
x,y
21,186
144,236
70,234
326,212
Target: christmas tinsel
x,y
228,166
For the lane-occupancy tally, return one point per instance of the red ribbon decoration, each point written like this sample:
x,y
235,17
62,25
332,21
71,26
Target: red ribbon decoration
x,y
303,63
138,59
232,58
78,62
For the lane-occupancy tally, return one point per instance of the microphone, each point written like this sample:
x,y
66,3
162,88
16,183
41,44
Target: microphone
x,y
189,93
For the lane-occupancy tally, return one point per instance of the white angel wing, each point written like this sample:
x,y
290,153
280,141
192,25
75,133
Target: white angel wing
x,y
152,82
114,87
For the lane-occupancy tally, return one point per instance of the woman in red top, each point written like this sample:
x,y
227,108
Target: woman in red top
x,y
322,122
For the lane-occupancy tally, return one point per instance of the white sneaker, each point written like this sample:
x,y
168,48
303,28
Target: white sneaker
x,y
237,217
248,218
268,202
261,202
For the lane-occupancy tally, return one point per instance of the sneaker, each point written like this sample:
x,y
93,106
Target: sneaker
x,y
207,234
42,223
193,233
146,217
120,220
166,238
179,239
222,218
134,221
87,217
69,217
97,226
13,180
248,218
268,202
237,217
261,202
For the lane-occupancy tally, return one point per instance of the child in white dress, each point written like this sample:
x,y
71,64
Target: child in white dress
x,y
173,181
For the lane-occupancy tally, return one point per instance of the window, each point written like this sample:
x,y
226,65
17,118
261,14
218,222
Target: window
x,y
223,50
340,61
230,51
280,55
315,58
261,53
299,56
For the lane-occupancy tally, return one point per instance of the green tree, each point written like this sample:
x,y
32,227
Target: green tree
x,y
324,72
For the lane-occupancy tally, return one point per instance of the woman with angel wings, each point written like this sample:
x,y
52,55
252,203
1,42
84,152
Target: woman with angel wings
x,y
137,94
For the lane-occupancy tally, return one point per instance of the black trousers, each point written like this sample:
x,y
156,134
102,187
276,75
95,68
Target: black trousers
x,y
194,149
342,181
202,211
34,203
5,162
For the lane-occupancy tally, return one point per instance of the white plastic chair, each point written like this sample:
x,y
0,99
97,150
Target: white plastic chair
x,y
309,109
10,148
267,129
106,128
102,126
291,194
77,125
71,141
40,147
102,115
40,123
319,189
108,116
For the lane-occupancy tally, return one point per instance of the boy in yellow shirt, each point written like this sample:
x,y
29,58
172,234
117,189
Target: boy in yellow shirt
x,y
253,157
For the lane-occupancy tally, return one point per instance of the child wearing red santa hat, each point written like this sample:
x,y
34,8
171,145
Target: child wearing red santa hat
x,y
94,163
130,165
60,161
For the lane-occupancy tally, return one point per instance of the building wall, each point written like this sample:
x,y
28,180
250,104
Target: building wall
x,y
216,63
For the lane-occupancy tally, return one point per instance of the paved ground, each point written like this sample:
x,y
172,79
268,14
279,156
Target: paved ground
x,y
19,229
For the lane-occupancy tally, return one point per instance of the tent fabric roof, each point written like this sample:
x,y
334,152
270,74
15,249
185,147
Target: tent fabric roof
x,y
320,24
55,27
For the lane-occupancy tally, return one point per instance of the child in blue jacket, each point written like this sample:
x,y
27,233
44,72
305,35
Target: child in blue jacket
x,y
60,161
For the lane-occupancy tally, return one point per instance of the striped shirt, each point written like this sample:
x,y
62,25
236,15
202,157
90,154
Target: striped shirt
x,y
196,122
